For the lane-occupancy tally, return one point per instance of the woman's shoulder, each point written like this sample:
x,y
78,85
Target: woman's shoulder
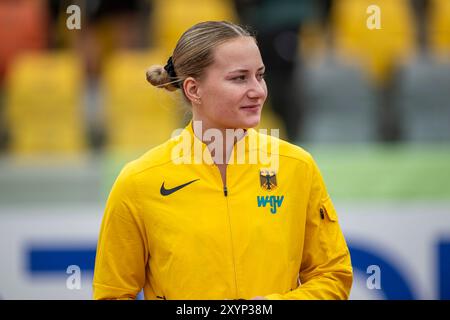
x,y
283,148
155,157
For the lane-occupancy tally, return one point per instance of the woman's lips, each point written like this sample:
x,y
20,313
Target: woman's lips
x,y
252,107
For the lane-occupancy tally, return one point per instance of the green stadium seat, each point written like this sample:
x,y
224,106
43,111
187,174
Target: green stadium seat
x,y
340,105
423,99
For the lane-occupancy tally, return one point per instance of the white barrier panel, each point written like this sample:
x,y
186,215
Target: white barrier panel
x,y
409,242
399,250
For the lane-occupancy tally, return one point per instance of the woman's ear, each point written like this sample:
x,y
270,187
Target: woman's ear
x,y
191,90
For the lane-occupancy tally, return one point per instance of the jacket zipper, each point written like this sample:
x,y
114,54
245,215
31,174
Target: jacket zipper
x,y
231,241
225,194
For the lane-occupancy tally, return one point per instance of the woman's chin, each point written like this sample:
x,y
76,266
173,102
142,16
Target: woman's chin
x,y
242,123
251,122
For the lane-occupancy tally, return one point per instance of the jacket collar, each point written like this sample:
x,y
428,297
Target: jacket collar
x,y
200,153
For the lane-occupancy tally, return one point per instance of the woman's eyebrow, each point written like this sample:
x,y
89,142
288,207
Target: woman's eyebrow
x,y
246,70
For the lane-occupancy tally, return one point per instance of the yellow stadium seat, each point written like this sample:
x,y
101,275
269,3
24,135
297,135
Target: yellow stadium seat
x,y
439,28
138,116
313,41
171,18
377,49
44,109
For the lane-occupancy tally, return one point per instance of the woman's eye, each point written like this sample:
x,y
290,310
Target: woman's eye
x,y
241,78
244,77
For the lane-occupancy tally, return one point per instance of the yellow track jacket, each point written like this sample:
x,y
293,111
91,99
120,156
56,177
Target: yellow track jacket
x,y
174,230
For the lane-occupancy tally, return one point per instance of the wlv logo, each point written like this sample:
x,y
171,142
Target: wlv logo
x,y
274,201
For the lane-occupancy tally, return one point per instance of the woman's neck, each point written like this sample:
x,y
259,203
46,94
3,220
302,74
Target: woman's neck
x,y
220,141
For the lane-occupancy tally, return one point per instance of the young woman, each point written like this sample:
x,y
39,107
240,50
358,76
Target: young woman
x,y
220,211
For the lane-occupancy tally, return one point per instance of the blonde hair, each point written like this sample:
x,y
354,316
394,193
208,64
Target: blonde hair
x,y
193,53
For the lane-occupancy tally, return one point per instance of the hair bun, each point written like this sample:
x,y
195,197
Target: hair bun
x,y
159,77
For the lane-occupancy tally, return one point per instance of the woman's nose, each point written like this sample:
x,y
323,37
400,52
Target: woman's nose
x,y
258,89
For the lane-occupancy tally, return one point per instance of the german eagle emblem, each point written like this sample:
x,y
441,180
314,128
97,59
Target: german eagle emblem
x,y
268,179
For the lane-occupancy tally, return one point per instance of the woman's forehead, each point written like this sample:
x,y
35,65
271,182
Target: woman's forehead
x,y
239,53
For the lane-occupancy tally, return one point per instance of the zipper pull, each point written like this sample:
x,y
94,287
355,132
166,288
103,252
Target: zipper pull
x,y
225,191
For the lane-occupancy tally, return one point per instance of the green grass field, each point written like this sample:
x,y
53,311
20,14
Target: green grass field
x,y
394,172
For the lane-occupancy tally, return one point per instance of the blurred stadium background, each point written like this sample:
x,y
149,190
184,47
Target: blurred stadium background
x,y
372,106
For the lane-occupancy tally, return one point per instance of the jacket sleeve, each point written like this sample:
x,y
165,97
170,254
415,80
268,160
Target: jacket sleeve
x,y
122,248
326,270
